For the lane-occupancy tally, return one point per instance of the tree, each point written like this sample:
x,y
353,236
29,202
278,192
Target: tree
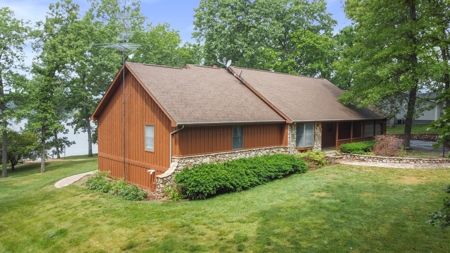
x,y
160,45
94,66
391,57
13,34
291,36
21,145
56,46
439,39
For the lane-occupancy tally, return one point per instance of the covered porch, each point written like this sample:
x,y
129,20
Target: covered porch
x,y
340,132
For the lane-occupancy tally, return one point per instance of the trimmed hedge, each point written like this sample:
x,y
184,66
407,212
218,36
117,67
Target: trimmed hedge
x,y
209,179
357,147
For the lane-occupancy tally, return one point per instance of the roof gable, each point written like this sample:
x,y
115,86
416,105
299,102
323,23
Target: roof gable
x,y
303,98
200,95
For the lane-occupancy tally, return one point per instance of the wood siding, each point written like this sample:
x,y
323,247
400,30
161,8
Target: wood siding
x,y
213,139
141,110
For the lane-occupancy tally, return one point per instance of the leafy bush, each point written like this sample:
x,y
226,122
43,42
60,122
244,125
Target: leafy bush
x,y
443,215
388,145
100,182
314,158
208,179
357,147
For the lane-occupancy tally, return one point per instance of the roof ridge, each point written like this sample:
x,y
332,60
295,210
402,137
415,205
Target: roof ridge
x,y
155,65
206,67
280,73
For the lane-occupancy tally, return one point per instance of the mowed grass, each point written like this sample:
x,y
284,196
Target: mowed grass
x,y
416,129
333,209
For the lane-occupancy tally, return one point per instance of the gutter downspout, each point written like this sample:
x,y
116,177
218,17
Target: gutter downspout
x,y
171,135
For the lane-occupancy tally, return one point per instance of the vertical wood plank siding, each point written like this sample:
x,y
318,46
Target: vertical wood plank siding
x,y
213,139
141,110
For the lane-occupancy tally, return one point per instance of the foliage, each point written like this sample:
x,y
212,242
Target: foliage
x,y
443,125
357,147
209,179
173,191
21,145
443,215
100,182
314,158
282,35
13,35
387,145
56,47
390,57
161,45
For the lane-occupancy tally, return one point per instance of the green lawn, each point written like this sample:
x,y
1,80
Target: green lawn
x,y
416,129
333,209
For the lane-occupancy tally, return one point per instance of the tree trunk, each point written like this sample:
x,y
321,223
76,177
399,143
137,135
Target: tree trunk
x,y
412,92
409,117
89,132
4,133
58,155
445,56
43,132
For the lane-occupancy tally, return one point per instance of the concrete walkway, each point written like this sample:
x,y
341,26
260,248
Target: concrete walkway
x,y
72,179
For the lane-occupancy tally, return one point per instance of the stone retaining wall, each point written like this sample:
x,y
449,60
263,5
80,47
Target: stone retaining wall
x,y
423,137
388,159
178,163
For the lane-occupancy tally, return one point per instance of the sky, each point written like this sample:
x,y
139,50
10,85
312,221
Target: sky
x,y
179,14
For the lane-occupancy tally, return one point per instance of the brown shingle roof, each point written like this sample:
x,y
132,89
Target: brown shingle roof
x,y
303,98
201,95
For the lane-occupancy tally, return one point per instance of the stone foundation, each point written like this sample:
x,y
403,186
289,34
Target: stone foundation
x,y
423,137
178,163
292,137
388,159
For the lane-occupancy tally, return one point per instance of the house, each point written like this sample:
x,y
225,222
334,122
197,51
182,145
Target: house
x,y
165,118
427,110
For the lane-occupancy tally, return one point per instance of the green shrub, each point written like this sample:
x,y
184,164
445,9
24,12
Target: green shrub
x,y
357,147
209,179
314,158
443,215
100,182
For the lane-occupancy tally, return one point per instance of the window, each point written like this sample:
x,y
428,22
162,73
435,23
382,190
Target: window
x,y
377,129
305,135
149,138
368,130
238,137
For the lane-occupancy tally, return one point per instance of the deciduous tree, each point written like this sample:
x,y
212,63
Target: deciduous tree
x,y
284,35
391,56
13,34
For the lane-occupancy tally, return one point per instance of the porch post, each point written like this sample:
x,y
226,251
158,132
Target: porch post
x,y
351,133
337,135
374,127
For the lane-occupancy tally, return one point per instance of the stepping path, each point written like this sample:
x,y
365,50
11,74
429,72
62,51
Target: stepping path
x,y
72,179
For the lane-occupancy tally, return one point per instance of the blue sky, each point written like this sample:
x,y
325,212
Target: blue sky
x,y
178,13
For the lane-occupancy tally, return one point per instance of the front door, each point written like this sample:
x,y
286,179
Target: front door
x,y
328,135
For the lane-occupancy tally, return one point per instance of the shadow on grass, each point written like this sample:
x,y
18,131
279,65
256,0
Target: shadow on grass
x,y
35,168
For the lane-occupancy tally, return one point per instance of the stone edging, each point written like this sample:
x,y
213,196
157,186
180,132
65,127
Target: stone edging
x,y
388,159
423,137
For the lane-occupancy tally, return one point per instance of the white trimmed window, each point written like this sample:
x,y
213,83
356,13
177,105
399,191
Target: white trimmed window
x,y
150,138
238,137
305,135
